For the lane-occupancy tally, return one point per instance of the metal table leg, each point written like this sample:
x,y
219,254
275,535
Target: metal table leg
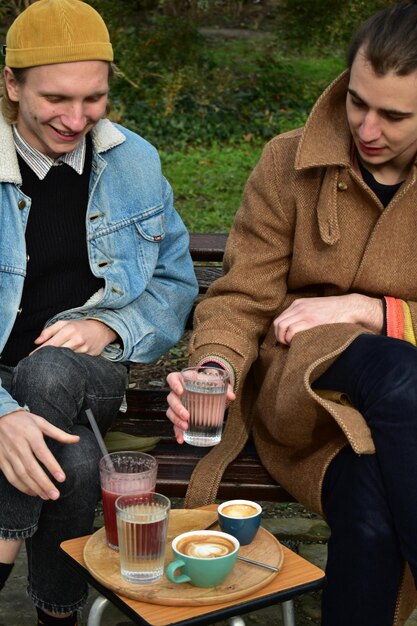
x,y
96,611
288,613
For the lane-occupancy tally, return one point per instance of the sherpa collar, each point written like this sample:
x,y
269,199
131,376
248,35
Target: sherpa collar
x,y
105,136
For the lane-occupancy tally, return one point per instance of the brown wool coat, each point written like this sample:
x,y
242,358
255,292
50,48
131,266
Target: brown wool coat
x,y
308,226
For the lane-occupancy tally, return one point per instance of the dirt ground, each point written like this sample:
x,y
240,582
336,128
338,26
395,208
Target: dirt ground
x,y
154,375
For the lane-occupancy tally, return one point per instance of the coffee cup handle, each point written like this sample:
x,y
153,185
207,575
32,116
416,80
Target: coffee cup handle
x,y
172,568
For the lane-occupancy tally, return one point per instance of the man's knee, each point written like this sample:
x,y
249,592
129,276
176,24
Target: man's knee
x,y
400,357
50,384
80,464
46,370
387,374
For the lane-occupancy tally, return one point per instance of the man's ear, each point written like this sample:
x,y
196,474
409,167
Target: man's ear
x,y
11,84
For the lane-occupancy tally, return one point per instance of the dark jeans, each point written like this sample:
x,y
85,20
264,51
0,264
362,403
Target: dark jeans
x,y
59,385
370,501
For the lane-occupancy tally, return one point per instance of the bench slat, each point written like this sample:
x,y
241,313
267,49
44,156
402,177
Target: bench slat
x,y
245,475
206,274
207,246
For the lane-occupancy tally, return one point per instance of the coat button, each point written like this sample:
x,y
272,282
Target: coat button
x,y
21,204
342,186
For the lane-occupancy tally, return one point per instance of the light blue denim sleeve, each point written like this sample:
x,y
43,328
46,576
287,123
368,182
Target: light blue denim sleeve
x,y
155,321
7,403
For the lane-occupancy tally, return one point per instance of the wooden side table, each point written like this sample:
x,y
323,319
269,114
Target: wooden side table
x,y
297,576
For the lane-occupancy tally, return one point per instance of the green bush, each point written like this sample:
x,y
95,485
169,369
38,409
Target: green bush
x,y
177,89
326,25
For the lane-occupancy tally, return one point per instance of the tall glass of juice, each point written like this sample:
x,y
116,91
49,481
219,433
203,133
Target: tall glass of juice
x,y
124,473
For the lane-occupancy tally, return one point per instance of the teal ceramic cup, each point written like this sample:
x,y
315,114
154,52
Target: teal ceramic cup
x,y
203,558
240,518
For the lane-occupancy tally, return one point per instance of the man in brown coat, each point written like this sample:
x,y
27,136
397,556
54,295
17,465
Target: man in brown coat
x,y
316,318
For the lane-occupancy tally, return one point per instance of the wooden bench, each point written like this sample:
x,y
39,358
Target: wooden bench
x,y
145,416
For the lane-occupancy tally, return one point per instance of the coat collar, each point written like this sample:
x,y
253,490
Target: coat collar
x,y
105,136
326,138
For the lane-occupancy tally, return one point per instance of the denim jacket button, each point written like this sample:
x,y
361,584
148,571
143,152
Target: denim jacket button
x,y
21,204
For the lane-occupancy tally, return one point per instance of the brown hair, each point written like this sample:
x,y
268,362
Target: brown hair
x,y
10,109
389,40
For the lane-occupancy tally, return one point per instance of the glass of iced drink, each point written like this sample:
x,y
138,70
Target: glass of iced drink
x,y
204,397
124,473
142,523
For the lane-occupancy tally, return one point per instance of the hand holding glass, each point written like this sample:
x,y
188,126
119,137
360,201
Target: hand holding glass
x,y
204,397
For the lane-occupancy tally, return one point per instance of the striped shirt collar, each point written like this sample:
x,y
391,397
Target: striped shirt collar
x,y
41,163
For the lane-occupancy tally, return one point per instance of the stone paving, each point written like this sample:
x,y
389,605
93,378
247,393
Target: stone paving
x,y
308,536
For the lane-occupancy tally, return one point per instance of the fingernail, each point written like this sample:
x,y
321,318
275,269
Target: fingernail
x,y
53,494
60,477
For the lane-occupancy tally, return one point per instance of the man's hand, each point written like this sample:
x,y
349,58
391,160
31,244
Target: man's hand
x,y
177,413
306,313
22,447
86,336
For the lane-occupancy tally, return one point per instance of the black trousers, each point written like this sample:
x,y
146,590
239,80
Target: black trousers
x,y
370,501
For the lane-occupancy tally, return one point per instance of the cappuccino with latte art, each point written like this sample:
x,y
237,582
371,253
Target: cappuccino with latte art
x,y
205,546
203,558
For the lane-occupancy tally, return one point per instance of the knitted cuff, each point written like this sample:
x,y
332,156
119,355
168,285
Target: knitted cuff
x,y
395,317
384,313
408,325
217,361
399,323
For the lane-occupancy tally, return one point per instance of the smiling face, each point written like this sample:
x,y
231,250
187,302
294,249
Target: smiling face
x,y
59,104
382,116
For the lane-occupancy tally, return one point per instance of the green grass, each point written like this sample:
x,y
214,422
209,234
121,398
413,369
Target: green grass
x,y
316,70
208,183
240,54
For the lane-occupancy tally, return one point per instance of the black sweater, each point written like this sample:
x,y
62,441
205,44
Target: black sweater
x,y
58,271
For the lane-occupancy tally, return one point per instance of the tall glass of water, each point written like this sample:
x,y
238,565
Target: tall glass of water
x,y
204,397
142,523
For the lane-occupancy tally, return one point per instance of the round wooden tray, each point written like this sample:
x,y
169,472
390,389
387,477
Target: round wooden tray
x,y
103,563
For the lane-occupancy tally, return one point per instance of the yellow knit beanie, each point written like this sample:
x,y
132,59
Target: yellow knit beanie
x,y
57,31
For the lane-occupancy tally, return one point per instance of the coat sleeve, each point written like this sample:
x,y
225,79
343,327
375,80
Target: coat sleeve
x,y
231,323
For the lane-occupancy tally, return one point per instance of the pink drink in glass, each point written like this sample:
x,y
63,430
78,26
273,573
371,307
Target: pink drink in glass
x,y
124,473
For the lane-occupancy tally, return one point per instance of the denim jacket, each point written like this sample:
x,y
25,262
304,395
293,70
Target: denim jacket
x,y
136,242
